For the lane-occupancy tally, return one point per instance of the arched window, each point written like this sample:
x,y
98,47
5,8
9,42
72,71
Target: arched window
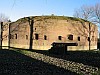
x,y
26,37
78,38
45,37
59,37
70,37
36,36
15,36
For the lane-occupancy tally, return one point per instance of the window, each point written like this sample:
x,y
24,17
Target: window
x,y
15,36
70,37
45,37
26,37
59,37
36,36
88,38
78,38
35,28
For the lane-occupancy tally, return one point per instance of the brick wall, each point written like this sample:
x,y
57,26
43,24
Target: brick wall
x,y
49,30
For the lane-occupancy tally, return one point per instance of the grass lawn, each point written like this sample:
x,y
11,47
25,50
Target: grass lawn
x,y
91,58
15,63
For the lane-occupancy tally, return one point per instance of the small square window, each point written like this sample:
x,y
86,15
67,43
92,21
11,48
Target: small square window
x,y
59,37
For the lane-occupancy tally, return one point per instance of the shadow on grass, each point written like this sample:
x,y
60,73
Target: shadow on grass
x,y
91,58
12,62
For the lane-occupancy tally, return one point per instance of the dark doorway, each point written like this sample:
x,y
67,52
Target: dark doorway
x,y
60,48
98,45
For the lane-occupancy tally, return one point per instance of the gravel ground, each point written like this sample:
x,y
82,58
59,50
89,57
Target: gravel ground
x,y
14,63
68,65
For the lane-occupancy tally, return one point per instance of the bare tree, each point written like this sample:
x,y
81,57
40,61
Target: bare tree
x,y
31,22
84,30
90,13
31,25
4,18
85,12
96,14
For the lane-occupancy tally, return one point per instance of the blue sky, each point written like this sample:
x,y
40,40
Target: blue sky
x,y
16,9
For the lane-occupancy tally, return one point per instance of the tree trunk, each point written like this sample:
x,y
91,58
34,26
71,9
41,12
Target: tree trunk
x,y
1,31
89,37
31,34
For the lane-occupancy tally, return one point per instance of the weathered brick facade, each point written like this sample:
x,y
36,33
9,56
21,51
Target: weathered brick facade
x,y
49,29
